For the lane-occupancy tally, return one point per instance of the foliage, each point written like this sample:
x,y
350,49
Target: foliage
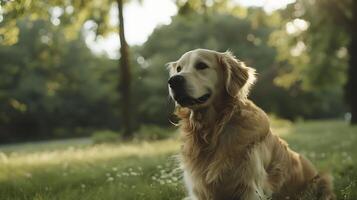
x,y
188,7
105,136
147,170
47,83
318,41
312,44
71,15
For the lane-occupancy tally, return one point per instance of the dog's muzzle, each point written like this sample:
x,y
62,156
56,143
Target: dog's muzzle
x,y
177,84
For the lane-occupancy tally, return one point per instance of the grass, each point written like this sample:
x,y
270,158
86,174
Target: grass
x,y
76,169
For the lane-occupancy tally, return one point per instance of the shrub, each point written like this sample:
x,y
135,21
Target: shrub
x,y
152,132
105,136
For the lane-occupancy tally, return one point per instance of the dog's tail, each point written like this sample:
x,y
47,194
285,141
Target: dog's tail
x,y
324,186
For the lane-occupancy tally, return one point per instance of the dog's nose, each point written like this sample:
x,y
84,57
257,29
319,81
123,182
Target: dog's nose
x,y
176,82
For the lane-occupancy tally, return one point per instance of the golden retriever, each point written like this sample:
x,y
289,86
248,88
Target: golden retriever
x,y
229,151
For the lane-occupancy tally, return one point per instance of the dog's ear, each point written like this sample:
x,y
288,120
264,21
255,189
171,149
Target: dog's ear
x,y
238,77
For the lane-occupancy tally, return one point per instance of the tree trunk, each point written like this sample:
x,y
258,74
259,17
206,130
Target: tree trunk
x,y
352,80
351,87
124,74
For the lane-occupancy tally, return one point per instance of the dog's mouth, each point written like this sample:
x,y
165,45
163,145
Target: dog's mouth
x,y
185,100
203,98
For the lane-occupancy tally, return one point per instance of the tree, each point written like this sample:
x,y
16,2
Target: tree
x,y
72,15
125,75
319,43
352,70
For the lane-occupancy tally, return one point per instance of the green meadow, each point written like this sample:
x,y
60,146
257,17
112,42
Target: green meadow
x,y
77,169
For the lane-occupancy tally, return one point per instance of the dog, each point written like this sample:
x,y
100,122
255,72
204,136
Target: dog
x,y
229,151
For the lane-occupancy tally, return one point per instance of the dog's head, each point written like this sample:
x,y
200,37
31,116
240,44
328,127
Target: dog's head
x,y
200,76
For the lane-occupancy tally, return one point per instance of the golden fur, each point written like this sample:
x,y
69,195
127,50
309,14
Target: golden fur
x,y
230,153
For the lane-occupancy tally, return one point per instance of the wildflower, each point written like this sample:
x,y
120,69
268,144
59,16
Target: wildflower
x,y
134,174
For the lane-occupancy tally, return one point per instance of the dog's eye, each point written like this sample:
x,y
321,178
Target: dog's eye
x,y
178,69
201,66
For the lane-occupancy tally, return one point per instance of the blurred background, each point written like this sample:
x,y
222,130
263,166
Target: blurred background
x,y
74,73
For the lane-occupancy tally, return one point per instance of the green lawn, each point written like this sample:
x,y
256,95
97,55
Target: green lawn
x,y
76,169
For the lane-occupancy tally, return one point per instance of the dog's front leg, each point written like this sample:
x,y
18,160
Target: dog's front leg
x,y
189,186
254,192
275,177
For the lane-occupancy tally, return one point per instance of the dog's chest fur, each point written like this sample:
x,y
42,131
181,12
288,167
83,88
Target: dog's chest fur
x,y
228,159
